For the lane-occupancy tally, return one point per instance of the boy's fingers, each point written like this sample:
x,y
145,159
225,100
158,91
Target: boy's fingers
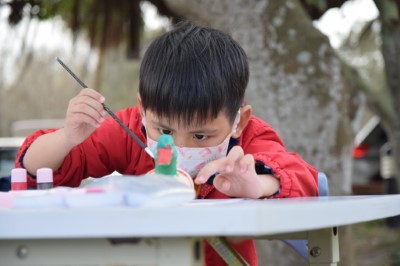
x,y
87,110
93,98
208,170
96,105
235,154
94,94
222,184
224,165
246,163
80,118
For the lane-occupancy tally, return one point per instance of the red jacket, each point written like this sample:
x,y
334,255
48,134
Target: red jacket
x,y
110,149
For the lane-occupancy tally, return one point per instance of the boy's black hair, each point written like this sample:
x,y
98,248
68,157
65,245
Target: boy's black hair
x,y
191,73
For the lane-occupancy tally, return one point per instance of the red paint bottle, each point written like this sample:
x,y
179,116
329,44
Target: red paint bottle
x,y
18,179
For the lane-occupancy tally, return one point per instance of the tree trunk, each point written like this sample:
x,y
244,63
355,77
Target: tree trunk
x,y
297,82
390,19
102,46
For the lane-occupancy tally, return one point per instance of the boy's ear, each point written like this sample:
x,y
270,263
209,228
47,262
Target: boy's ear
x,y
245,113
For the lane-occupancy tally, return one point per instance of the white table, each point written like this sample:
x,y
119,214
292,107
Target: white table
x,y
172,235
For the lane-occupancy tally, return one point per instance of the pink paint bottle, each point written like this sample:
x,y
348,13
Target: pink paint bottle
x,y
44,178
18,179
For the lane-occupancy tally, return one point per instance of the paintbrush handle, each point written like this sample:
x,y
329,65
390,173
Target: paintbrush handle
x,y
138,141
72,73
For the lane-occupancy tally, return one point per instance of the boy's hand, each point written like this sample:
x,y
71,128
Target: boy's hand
x,y
237,176
85,113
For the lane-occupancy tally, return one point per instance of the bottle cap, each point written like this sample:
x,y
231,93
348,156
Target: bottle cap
x,y
44,175
18,175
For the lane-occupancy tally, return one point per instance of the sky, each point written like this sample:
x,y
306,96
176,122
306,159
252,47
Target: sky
x,y
51,36
338,22
151,19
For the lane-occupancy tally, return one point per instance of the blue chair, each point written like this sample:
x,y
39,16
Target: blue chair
x,y
301,246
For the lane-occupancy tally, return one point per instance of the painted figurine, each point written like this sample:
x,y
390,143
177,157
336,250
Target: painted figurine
x,y
165,159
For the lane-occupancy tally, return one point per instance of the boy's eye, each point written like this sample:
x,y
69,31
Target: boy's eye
x,y
165,131
200,137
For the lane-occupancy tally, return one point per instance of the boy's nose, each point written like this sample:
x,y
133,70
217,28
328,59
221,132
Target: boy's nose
x,y
180,141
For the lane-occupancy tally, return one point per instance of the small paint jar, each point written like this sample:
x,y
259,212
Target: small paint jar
x,y
18,179
44,178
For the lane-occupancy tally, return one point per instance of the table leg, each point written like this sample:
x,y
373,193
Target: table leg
x,y
323,246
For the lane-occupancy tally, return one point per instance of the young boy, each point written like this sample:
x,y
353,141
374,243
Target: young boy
x,y
192,86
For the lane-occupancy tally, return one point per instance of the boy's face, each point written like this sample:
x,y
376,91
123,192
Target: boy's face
x,y
211,133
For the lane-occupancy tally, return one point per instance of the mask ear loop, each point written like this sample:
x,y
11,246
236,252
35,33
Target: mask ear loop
x,y
235,123
143,119
145,127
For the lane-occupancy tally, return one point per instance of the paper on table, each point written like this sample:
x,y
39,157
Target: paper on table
x,y
151,190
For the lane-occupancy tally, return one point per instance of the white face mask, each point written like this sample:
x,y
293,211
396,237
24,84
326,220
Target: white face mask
x,y
192,160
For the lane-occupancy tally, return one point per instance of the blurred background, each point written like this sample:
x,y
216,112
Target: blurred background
x,y
324,73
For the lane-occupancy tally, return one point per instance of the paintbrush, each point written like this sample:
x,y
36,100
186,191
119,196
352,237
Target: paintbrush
x,y
138,141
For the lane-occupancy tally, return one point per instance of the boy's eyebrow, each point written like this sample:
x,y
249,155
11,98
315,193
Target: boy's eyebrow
x,y
204,130
200,130
161,124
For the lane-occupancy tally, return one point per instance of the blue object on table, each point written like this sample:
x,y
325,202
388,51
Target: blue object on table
x,y
5,183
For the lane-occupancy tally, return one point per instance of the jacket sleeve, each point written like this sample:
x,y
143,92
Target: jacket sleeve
x,y
105,151
297,178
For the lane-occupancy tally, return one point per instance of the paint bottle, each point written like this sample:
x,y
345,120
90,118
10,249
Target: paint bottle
x,y
44,178
18,179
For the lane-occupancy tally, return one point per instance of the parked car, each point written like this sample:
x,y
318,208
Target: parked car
x,y
370,142
374,165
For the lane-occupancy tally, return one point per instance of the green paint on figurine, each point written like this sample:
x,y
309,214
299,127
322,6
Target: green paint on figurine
x,y
166,156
